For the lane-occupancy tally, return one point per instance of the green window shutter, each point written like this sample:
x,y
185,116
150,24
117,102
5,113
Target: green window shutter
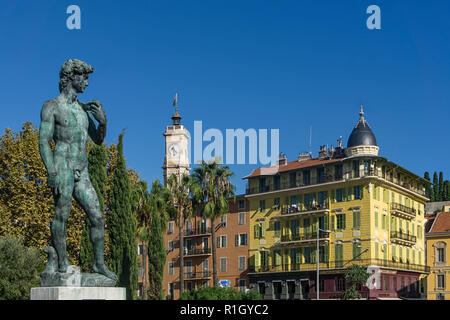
x,y
263,229
256,228
257,259
356,219
314,225
298,256
376,219
333,222
383,225
313,255
325,224
349,194
361,192
276,225
333,196
343,223
376,250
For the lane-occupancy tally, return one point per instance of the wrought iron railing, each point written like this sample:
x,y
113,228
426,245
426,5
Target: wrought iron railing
x,y
330,178
340,265
304,208
304,236
193,232
197,274
399,207
403,236
195,251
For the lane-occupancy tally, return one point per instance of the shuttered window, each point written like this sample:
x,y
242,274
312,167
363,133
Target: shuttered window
x,y
356,250
277,229
356,219
340,225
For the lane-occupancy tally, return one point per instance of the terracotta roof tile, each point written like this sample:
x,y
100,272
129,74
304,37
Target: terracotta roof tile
x,y
441,222
291,165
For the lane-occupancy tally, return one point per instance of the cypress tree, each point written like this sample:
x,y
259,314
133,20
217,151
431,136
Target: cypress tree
x,y
156,257
441,187
447,190
435,193
97,161
427,186
122,227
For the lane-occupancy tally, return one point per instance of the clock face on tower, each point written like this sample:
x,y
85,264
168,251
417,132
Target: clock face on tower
x,y
173,149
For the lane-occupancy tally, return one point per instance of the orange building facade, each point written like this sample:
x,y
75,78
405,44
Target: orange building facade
x,y
232,234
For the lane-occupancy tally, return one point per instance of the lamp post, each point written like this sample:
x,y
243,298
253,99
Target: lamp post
x,y
317,260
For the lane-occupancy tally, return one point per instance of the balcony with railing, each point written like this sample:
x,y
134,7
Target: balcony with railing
x,y
324,265
202,231
403,238
305,209
348,175
197,251
304,237
402,211
195,275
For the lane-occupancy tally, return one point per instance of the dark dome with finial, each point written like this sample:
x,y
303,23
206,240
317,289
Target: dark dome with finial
x,y
361,134
176,118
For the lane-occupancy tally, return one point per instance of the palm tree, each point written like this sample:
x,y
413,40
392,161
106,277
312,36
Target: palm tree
x,y
215,187
180,188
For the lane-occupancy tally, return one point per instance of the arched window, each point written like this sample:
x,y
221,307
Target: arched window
x,y
439,252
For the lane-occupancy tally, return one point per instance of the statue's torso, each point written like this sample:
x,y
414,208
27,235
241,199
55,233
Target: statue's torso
x,y
70,135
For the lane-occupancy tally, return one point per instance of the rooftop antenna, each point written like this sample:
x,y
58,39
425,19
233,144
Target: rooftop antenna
x,y
310,139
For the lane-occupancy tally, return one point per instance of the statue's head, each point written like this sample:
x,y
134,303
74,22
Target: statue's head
x,y
74,72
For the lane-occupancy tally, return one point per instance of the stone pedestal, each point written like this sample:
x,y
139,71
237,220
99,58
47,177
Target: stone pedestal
x,y
78,293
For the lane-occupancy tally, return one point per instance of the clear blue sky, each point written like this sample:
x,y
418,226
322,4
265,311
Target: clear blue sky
x,y
281,64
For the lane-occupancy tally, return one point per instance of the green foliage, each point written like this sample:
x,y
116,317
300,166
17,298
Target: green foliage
x,y
181,206
122,227
439,190
26,202
19,269
98,161
219,293
355,275
156,257
159,202
441,187
210,197
435,192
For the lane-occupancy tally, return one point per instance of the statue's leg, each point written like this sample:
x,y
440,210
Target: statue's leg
x,y
63,204
85,195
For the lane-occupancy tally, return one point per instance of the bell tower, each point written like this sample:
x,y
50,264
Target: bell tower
x,y
176,159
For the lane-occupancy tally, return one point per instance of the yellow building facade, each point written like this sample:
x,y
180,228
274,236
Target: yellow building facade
x,y
361,209
438,251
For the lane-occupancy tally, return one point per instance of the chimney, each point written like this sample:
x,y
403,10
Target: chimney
x,y
322,152
282,160
303,156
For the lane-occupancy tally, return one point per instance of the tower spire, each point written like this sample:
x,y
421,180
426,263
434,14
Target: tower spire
x,y
361,112
176,116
